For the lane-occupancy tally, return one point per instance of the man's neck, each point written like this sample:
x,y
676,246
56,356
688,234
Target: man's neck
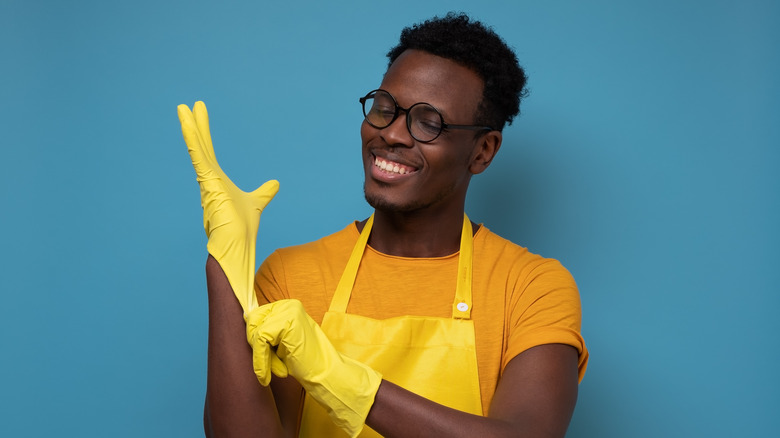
x,y
416,234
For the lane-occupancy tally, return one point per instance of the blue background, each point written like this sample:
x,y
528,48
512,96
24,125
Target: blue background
x,y
645,160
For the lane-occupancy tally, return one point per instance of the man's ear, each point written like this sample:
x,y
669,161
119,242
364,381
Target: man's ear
x,y
484,152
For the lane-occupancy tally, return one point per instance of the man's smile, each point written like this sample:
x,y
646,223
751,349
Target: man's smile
x,y
392,167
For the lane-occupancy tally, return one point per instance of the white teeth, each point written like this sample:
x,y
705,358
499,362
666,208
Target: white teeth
x,y
388,167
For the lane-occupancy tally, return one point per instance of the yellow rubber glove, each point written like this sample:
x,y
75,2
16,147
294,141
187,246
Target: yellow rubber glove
x,y
344,387
230,215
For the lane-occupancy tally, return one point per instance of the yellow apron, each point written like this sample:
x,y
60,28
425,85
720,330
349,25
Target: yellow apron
x,y
432,357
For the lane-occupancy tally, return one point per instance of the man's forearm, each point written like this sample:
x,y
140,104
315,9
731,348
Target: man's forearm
x,y
423,417
236,404
534,398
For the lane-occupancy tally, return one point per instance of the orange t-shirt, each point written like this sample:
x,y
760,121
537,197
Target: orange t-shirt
x,y
519,299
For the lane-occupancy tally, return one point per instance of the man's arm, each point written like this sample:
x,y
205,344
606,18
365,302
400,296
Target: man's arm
x,y
534,398
236,404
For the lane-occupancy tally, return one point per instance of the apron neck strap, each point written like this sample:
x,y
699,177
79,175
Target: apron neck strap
x,y
461,307
347,281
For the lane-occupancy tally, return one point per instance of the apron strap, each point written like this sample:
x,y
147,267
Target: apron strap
x,y
461,307
347,281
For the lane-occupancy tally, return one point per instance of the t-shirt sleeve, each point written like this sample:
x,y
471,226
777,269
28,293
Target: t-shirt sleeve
x,y
270,283
545,308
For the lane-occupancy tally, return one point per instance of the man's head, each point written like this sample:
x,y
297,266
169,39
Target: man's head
x,y
437,68
406,174
478,48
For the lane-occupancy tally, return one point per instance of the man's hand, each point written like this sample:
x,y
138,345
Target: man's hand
x,y
230,215
345,387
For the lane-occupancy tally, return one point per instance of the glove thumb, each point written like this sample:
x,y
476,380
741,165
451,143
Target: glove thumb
x,y
263,194
278,367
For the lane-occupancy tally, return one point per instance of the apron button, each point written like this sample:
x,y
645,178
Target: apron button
x,y
463,307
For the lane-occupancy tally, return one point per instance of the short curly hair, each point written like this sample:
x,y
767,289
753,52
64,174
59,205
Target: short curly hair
x,y
477,47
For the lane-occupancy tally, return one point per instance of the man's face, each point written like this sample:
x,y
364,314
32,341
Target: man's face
x,y
404,175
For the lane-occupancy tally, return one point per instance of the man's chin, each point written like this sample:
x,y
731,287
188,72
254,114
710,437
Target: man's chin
x,y
378,203
383,204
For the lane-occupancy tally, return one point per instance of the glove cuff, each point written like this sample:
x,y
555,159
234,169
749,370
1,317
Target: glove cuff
x,y
237,261
347,394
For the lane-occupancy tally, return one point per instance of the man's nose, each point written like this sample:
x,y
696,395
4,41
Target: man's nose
x,y
397,133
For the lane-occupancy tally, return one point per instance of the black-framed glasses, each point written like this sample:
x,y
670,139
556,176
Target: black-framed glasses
x,y
423,120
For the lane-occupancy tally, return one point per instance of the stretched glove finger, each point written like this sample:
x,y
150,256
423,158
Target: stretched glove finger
x,y
263,194
192,138
201,116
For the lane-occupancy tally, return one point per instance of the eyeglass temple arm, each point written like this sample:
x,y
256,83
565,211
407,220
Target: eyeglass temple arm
x,y
470,127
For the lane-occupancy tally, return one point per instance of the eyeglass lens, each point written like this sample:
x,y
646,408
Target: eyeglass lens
x,y
423,121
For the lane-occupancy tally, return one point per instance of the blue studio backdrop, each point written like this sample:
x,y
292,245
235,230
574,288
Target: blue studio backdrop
x,y
645,159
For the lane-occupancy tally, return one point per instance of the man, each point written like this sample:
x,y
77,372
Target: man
x,y
416,321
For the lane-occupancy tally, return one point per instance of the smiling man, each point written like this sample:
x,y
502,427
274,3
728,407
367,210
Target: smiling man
x,y
415,321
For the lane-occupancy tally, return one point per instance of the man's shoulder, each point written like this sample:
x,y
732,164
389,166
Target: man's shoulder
x,y
497,249
488,240
338,242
